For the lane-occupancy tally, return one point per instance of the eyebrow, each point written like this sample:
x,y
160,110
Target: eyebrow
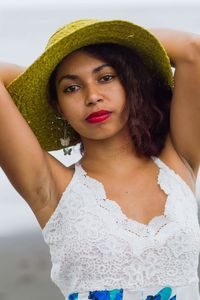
x,y
75,77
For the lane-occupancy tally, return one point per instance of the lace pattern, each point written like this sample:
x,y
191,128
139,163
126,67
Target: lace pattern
x,y
94,246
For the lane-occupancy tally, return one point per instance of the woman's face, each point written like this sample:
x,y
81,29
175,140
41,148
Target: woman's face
x,y
85,85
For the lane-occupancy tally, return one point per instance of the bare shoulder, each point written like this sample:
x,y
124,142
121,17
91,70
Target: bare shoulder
x,y
61,177
179,164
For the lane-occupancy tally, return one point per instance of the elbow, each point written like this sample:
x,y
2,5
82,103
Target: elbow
x,y
192,49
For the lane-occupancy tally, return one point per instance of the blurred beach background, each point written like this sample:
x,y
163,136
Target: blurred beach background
x,y
24,30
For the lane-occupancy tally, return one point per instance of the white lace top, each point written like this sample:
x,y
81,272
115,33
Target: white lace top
x,y
95,247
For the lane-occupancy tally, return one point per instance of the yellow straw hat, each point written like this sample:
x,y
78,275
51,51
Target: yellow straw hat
x,y
29,90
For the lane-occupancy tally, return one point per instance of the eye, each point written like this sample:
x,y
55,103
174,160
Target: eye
x,y
71,88
107,77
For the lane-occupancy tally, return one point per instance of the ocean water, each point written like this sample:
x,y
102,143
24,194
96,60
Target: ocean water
x,y
24,31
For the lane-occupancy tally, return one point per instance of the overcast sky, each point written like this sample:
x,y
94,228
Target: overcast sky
x,y
14,3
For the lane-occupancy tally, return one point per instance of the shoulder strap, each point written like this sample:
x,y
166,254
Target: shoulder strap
x,y
160,163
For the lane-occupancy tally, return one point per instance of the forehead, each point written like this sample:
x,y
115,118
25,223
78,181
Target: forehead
x,y
79,60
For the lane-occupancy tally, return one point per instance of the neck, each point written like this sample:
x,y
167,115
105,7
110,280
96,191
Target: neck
x,y
110,153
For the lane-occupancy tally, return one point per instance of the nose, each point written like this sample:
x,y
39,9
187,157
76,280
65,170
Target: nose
x,y
92,95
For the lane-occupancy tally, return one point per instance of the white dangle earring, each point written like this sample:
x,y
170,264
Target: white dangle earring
x,y
65,141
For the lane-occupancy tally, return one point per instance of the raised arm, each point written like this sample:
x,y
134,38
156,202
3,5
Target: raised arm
x,y
21,157
183,49
8,72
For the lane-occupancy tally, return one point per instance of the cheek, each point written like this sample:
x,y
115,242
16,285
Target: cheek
x,y
121,99
72,113
117,92
67,107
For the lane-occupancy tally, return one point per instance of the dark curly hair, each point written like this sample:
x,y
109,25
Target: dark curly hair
x,y
148,99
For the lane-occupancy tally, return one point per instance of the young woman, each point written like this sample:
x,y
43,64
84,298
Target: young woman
x,y
122,222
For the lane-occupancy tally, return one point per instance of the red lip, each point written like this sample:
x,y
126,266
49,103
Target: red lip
x,y
99,119
98,113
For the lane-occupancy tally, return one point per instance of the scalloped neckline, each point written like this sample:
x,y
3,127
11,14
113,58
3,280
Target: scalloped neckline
x,y
114,207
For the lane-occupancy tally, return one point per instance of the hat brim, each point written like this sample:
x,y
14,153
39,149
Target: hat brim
x,y
29,90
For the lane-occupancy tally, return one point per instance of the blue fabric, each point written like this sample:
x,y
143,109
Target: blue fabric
x,y
163,294
117,294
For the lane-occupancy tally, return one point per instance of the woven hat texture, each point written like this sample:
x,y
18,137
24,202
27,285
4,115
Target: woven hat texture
x,y
29,90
